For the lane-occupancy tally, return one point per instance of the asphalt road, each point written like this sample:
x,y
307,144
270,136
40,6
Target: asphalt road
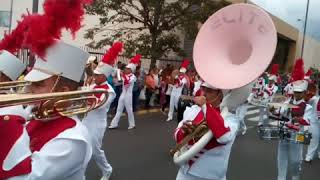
x,y
143,153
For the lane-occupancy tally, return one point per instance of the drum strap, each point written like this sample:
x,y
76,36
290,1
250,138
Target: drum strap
x,y
298,112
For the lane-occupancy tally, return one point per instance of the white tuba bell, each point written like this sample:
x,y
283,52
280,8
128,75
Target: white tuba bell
x,y
233,47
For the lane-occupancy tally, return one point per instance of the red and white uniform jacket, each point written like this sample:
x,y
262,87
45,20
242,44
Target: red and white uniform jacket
x,y
128,82
258,87
314,102
98,117
257,90
179,83
196,88
288,90
269,92
212,161
56,149
299,117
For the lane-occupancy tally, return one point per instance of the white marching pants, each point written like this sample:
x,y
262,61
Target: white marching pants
x,y
174,99
262,112
98,154
241,113
125,101
314,143
97,130
183,176
289,155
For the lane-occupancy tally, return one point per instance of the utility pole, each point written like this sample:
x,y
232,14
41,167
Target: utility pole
x,y
11,14
305,28
35,5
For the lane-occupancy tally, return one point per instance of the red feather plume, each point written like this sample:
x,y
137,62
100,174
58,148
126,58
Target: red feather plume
x,y
112,54
66,14
274,69
135,59
13,42
38,32
309,73
185,63
298,70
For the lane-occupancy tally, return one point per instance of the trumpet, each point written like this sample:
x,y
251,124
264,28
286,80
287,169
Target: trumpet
x,y
13,84
51,105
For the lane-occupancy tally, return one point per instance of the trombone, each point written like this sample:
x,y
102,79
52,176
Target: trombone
x,y
51,105
13,84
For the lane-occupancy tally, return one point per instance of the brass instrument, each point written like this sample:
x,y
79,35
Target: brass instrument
x,y
13,84
198,132
186,97
229,62
52,105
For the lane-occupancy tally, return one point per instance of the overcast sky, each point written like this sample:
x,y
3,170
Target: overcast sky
x,y
292,10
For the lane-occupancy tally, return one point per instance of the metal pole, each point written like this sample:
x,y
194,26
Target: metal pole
x,y
35,5
11,14
305,28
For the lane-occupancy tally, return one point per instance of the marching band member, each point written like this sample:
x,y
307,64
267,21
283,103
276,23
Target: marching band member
x,y
313,99
270,90
10,67
197,85
217,151
257,89
125,100
241,113
177,88
288,90
307,76
96,120
290,153
90,66
57,148
264,92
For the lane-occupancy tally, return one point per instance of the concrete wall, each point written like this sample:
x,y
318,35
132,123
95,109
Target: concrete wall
x,y
311,54
21,6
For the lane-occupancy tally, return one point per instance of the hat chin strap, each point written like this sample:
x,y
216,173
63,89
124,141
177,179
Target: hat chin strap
x,y
55,84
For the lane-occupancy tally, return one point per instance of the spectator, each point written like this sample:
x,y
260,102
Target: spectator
x,y
150,87
166,87
155,98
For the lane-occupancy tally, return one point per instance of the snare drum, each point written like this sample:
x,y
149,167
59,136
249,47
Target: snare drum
x,y
299,137
269,132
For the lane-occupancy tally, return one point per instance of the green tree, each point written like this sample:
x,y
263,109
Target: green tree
x,y
149,27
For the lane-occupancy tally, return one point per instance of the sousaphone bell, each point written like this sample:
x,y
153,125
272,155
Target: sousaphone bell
x,y
233,47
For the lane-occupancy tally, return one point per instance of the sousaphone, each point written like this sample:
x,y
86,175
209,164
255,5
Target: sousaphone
x,y
233,47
